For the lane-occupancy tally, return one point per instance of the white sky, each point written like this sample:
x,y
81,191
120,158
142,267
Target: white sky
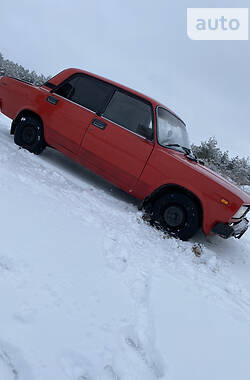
x,y
143,44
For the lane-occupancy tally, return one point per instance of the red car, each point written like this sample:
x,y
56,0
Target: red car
x,y
131,140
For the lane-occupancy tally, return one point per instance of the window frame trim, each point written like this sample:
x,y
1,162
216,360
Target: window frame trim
x,y
76,104
92,78
177,117
115,88
118,89
128,130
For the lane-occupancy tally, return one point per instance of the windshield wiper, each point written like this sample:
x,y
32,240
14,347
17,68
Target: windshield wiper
x,y
188,152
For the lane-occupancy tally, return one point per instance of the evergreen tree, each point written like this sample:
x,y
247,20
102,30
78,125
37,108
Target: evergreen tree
x,y
235,169
17,71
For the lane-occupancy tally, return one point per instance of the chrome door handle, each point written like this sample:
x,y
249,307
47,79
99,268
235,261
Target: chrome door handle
x,y
99,123
52,100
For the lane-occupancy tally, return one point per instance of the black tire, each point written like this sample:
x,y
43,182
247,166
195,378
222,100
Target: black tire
x,y
29,134
177,214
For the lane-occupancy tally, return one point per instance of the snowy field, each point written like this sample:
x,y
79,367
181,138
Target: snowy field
x,y
89,291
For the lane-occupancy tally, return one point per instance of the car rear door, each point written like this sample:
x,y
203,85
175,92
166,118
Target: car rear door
x,y
71,108
119,142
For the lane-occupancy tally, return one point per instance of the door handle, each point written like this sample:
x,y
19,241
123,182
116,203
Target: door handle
x,y
99,123
52,100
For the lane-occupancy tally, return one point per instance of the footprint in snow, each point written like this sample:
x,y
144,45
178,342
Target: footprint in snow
x,y
77,367
134,360
7,369
12,365
25,315
116,253
109,374
6,264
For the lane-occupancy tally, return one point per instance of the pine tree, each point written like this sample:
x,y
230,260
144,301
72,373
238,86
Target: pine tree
x,y
17,71
236,169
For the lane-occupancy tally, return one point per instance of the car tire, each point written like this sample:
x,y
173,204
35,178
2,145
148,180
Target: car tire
x,y
177,214
29,134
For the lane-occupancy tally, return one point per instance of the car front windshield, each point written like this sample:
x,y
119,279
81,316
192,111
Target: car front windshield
x,y
171,131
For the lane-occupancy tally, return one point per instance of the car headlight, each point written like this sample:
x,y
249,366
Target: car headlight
x,y
242,210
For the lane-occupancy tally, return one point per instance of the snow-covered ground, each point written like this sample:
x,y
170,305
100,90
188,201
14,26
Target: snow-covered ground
x,y
89,291
246,188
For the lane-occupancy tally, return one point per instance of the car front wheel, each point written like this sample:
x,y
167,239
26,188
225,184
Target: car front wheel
x,y
177,214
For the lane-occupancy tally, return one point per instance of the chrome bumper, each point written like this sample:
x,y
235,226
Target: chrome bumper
x,y
236,230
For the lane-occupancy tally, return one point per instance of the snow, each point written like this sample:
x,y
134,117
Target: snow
x,y
246,188
89,291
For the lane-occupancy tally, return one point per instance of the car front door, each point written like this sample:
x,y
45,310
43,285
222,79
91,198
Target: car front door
x,y
118,143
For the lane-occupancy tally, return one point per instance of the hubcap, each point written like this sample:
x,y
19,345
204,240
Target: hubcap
x,y
174,216
29,135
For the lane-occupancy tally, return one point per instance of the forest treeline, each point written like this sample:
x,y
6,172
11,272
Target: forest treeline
x,y
15,70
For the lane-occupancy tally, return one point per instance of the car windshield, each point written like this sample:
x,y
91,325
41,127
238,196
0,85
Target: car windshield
x,y
171,131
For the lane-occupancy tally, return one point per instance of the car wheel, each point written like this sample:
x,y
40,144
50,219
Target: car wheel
x,y
176,214
29,134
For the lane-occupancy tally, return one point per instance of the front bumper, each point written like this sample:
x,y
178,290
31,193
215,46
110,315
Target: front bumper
x,y
236,230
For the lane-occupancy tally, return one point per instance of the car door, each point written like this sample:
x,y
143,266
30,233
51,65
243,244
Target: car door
x,y
72,107
119,142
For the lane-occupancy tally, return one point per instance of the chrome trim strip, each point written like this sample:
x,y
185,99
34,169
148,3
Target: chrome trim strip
x,y
45,89
70,101
126,129
102,117
172,113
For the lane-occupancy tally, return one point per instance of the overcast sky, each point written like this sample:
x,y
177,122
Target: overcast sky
x,y
142,44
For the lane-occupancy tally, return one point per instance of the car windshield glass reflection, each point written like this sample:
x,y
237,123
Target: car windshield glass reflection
x,y
171,131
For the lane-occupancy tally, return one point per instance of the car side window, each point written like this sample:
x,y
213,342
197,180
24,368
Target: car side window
x,y
131,113
89,92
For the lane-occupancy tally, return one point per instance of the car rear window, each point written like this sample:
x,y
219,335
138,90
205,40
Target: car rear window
x,y
87,91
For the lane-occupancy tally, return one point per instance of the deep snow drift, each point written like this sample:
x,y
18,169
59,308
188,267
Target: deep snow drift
x,y
89,291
